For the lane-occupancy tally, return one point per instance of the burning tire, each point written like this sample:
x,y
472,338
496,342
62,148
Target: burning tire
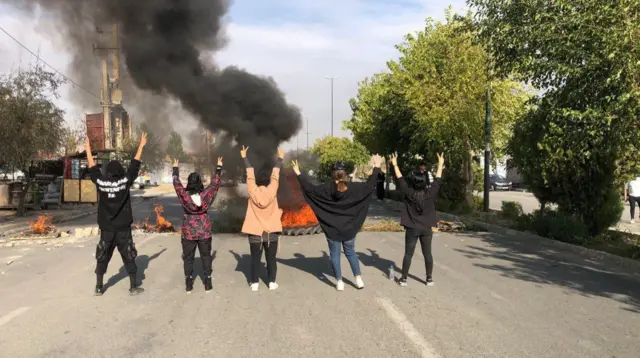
x,y
298,231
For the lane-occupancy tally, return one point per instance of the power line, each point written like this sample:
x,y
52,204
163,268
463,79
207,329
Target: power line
x,y
53,68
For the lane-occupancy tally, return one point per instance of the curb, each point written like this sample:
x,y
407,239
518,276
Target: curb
x,y
18,228
595,255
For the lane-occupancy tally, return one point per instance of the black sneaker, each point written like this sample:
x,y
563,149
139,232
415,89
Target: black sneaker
x,y
430,281
135,290
189,283
402,281
99,291
208,286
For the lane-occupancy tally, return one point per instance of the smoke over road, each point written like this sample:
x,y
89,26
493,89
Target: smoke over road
x,y
164,43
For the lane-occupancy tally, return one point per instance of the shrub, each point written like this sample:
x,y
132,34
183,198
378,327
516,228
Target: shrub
x,y
511,210
478,203
560,226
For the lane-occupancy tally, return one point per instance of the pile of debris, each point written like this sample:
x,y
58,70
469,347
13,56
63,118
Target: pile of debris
x,y
449,226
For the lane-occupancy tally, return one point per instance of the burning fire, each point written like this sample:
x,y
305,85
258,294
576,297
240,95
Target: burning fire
x,y
42,225
299,218
296,212
162,224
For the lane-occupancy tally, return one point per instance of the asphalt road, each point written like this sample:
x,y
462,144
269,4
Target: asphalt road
x,y
494,297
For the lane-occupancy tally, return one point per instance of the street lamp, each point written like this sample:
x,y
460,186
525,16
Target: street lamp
x,y
331,79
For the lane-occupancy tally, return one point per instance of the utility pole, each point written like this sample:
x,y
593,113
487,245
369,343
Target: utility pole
x,y
111,93
307,134
208,147
116,93
105,101
487,145
331,79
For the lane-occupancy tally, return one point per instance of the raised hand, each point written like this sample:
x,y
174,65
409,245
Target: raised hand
x,y
87,145
280,153
440,159
296,167
219,161
394,159
377,160
143,139
243,152
176,163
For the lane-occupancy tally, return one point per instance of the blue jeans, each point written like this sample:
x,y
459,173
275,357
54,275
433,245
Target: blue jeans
x,y
349,252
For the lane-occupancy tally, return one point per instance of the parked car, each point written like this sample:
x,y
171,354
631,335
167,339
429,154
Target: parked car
x,y
498,182
139,183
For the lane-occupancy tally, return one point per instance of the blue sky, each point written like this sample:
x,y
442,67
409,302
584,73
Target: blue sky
x,y
297,42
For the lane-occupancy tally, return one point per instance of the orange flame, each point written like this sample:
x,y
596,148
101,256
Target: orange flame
x,y
299,218
162,224
42,225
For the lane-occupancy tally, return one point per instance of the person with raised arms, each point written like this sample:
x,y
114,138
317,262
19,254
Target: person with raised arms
x,y
418,216
341,207
196,225
115,216
262,222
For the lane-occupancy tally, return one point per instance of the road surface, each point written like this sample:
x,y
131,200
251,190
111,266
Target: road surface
x,y
494,297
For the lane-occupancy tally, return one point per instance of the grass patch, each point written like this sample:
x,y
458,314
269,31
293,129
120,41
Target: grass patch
x,y
384,226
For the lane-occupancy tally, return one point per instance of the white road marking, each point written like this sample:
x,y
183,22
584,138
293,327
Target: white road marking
x,y
425,349
13,314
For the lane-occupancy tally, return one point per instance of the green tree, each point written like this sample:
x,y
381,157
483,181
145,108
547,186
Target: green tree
x,y
175,149
583,131
333,149
31,124
73,138
381,117
152,157
443,75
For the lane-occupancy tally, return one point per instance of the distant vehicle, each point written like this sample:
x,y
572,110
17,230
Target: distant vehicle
x,y
139,183
17,175
498,182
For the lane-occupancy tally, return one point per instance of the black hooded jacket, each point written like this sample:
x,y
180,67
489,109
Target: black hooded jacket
x,y
341,214
114,199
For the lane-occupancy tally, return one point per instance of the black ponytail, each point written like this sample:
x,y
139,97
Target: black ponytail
x,y
419,184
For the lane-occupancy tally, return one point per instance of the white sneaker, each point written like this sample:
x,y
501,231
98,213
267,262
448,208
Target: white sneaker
x,y
632,221
340,286
273,286
359,282
255,286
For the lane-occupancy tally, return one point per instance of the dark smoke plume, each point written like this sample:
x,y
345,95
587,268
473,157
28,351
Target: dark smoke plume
x,y
163,42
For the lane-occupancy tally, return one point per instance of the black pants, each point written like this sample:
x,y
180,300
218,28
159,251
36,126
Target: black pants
x,y
109,240
632,203
410,240
189,254
270,248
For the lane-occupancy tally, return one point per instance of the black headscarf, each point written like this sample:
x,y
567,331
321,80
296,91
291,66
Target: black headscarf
x,y
194,184
115,170
263,176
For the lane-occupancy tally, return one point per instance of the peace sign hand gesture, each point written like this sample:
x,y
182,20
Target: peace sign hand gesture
x,y
296,167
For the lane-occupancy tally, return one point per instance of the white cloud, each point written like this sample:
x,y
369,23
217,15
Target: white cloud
x,y
297,42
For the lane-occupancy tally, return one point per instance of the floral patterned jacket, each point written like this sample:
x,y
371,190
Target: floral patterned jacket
x,y
196,224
